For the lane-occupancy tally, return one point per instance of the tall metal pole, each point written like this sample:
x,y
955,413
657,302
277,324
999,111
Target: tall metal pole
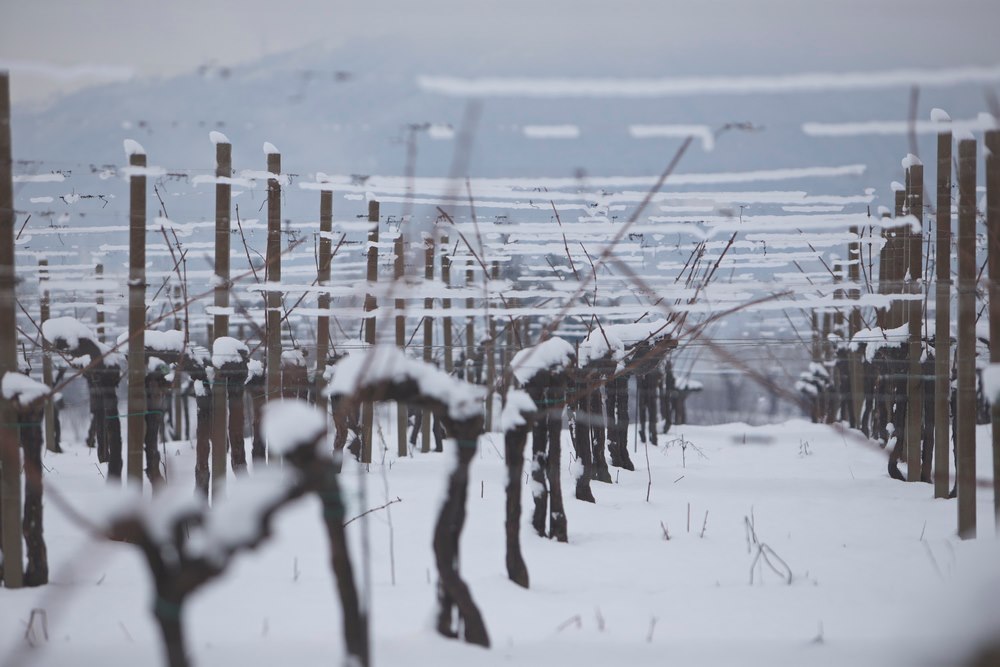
x,y
136,419
10,449
966,399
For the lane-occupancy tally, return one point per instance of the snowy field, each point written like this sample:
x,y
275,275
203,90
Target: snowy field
x,y
878,576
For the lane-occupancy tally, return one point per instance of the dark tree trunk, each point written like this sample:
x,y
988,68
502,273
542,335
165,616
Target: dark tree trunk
x,y
617,390
598,437
37,571
203,447
539,466
897,366
581,445
354,619
255,387
548,391
113,433
168,618
646,386
453,593
340,435
514,442
237,439
157,395
553,421
104,417
234,374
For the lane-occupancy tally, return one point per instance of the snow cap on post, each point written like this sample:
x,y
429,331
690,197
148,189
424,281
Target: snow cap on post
x,y
270,149
289,424
387,363
217,137
21,389
991,383
228,350
940,115
553,354
133,147
67,329
517,405
601,344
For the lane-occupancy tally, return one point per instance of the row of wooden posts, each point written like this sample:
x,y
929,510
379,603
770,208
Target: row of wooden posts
x,y
10,489
905,393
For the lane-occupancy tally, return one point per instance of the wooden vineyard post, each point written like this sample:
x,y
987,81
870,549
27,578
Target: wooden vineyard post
x,y
136,418
490,354
965,441
470,326
942,321
50,407
220,324
914,380
446,306
829,400
425,422
399,267
368,408
991,140
323,279
855,370
272,273
815,356
99,315
10,449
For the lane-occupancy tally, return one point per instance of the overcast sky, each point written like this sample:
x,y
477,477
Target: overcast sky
x,y
38,39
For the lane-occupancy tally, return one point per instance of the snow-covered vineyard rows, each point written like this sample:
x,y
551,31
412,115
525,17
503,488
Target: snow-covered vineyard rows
x,y
489,395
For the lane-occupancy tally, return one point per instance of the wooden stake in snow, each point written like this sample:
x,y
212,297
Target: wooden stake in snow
x,y
272,318
965,442
942,320
50,407
490,356
99,314
855,368
425,423
914,381
323,279
399,263
136,418
10,450
446,305
223,204
367,408
991,139
220,328
470,328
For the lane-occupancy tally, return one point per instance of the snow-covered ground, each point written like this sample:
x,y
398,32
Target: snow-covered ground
x,y
878,575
